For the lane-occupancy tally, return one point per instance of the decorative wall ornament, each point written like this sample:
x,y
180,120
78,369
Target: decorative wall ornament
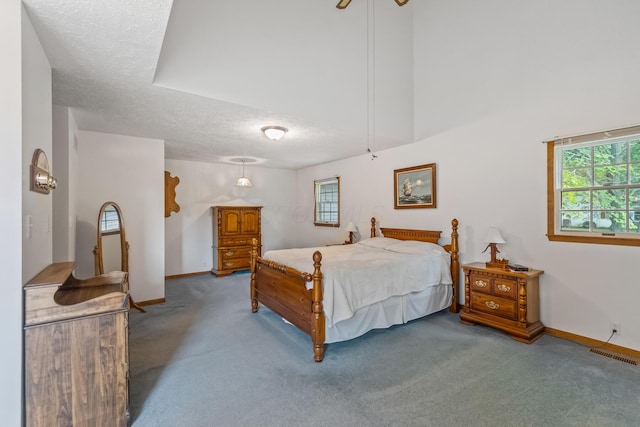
x,y
41,179
344,3
170,204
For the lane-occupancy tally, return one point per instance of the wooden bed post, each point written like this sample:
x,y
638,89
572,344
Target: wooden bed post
x,y
455,265
373,227
253,263
317,309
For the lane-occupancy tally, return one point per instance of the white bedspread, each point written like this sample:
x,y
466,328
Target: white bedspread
x,y
355,276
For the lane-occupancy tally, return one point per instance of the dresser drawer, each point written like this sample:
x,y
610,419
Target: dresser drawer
x,y
237,241
235,253
230,264
494,305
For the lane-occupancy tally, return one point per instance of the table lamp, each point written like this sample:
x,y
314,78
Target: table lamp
x,y
352,229
493,237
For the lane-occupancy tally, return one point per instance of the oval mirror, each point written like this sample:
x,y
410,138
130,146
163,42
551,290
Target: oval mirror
x,y
112,249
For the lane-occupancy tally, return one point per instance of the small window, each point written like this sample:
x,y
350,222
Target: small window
x,y
327,202
594,188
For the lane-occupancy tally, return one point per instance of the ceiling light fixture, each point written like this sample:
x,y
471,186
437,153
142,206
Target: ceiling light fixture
x,y
274,133
243,181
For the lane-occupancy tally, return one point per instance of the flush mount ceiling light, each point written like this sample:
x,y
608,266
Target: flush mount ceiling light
x,y
344,3
243,181
274,133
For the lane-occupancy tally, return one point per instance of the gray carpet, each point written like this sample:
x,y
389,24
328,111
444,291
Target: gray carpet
x,y
203,359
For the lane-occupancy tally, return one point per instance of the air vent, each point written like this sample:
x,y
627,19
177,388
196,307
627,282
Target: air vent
x,y
615,356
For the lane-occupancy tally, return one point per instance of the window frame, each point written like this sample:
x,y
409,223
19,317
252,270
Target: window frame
x,y
317,187
553,195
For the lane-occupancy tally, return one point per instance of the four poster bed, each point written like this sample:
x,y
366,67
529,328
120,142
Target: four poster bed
x,y
375,283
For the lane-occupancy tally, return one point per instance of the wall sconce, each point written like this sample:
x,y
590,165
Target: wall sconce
x,y
493,237
274,133
243,181
41,180
352,229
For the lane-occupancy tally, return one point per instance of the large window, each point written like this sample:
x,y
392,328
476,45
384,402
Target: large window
x,y
594,188
327,202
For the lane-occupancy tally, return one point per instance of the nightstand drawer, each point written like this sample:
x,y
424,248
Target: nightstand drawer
x,y
505,288
494,305
480,283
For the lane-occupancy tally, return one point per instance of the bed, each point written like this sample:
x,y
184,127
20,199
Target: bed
x,y
378,282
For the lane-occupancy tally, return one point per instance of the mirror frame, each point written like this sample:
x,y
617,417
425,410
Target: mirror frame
x,y
124,245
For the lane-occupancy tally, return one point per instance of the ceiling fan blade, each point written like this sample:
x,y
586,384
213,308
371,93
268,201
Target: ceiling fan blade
x,y
402,2
343,3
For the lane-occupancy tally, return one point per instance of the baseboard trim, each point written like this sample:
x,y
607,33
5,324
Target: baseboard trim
x,y
178,276
590,342
152,301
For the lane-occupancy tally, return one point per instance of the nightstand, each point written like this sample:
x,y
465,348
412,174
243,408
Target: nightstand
x,y
503,299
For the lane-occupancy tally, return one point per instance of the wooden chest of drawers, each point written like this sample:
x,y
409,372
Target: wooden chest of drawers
x,y
233,229
505,300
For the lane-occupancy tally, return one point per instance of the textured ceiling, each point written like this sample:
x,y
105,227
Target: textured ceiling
x,y
206,75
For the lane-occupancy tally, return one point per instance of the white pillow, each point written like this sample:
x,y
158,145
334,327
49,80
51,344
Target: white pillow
x,y
378,242
416,247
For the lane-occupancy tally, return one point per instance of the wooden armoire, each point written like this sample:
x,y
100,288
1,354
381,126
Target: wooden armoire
x,y
233,229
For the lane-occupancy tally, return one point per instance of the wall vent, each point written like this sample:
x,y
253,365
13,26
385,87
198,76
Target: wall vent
x,y
615,356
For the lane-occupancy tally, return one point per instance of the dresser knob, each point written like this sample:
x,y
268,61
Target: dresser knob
x,y
481,284
228,253
504,288
228,264
492,305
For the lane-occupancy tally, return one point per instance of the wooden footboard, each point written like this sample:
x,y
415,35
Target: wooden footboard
x,y
283,289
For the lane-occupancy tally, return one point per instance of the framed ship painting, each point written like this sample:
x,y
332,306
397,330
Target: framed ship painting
x,y
415,187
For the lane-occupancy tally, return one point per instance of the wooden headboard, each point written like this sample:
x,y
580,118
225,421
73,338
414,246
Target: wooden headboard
x,y
431,236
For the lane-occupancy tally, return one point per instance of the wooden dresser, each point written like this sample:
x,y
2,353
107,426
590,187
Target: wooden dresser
x,y
503,299
233,229
76,356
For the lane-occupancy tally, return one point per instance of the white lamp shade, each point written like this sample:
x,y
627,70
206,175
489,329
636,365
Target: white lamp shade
x,y
243,182
493,236
274,133
351,227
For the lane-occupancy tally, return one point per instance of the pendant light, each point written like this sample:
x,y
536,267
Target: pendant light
x,y
243,181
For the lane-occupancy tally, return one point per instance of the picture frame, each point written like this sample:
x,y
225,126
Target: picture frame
x,y
415,187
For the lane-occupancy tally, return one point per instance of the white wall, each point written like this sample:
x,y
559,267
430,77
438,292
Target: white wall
x,y
36,133
130,172
10,220
188,233
65,157
487,94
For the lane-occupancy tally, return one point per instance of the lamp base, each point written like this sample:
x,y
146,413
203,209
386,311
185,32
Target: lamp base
x,y
500,263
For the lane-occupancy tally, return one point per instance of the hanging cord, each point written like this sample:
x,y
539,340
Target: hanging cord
x,y
371,76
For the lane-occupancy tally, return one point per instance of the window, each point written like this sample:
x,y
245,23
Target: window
x,y
594,188
327,202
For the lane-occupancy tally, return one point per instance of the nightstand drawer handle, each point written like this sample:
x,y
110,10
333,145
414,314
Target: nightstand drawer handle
x,y
481,284
228,264
492,305
228,253
504,288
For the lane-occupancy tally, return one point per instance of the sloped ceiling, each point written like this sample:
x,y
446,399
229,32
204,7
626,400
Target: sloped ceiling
x,y
206,75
